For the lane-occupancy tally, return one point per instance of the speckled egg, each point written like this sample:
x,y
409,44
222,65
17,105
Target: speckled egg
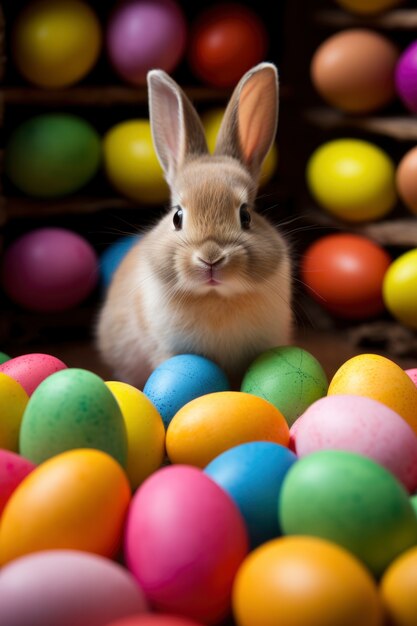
x,y
76,500
181,379
211,424
289,377
13,469
351,500
31,369
360,425
67,587
70,409
375,376
13,402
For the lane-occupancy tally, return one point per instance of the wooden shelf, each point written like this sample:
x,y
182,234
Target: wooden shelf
x,y
403,128
402,19
21,207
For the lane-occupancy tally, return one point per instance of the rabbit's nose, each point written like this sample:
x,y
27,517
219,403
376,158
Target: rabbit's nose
x,y
211,264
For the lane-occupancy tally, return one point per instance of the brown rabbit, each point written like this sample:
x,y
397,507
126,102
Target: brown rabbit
x,y
213,276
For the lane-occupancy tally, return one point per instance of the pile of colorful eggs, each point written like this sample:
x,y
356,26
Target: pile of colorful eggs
x,y
289,501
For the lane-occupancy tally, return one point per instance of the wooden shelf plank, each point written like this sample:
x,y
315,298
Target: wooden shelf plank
x,y
402,19
402,128
21,207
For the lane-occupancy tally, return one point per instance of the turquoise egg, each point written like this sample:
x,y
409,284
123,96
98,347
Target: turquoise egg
x,y
287,376
52,155
350,500
72,408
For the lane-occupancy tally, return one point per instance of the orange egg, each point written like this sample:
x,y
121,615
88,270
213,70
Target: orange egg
x,y
76,500
398,590
304,581
406,179
211,424
354,70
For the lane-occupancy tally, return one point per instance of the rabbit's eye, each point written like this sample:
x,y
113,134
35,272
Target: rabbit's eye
x,y
178,219
245,217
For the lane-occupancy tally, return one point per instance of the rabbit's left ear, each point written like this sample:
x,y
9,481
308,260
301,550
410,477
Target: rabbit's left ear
x,y
250,121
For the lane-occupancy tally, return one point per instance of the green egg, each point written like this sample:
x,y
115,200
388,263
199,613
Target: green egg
x,y
72,408
4,357
289,377
352,501
52,155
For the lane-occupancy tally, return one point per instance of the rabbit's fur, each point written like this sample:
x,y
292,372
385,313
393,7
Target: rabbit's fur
x,y
209,282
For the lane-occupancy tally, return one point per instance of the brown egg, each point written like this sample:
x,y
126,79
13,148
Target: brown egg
x,y
406,180
354,70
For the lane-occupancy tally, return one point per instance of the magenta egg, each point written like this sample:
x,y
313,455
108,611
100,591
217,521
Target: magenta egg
x,y
406,77
361,425
49,269
144,35
185,540
29,370
13,469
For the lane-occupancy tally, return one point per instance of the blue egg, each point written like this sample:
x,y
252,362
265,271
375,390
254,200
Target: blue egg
x,y
181,379
252,474
112,256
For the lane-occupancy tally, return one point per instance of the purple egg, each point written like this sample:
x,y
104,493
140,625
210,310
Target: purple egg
x,y
406,77
144,35
49,269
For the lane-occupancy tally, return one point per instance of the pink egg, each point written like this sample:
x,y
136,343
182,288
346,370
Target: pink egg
x,y
66,588
412,373
29,370
362,425
185,540
13,469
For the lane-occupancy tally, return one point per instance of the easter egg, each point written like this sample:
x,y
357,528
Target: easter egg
x,y
13,469
375,376
145,432
252,475
70,409
400,288
13,402
29,370
352,179
412,373
368,7
76,500
113,255
304,581
344,274
226,41
49,269
52,155
353,70
180,379
67,587
212,120
155,620
361,425
184,542
131,163
349,500
4,357
144,35
406,75
289,377
406,177
398,589
211,424
55,44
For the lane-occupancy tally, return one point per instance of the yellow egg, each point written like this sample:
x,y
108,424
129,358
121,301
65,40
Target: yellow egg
x,y
55,44
13,401
399,288
211,424
352,179
377,377
398,590
131,163
211,122
368,7
304,581
76,500
145,432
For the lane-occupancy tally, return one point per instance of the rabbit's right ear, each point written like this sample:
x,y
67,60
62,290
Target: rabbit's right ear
x,y
177,130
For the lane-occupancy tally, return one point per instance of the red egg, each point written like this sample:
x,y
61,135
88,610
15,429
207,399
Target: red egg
x,y
226,41
344,273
